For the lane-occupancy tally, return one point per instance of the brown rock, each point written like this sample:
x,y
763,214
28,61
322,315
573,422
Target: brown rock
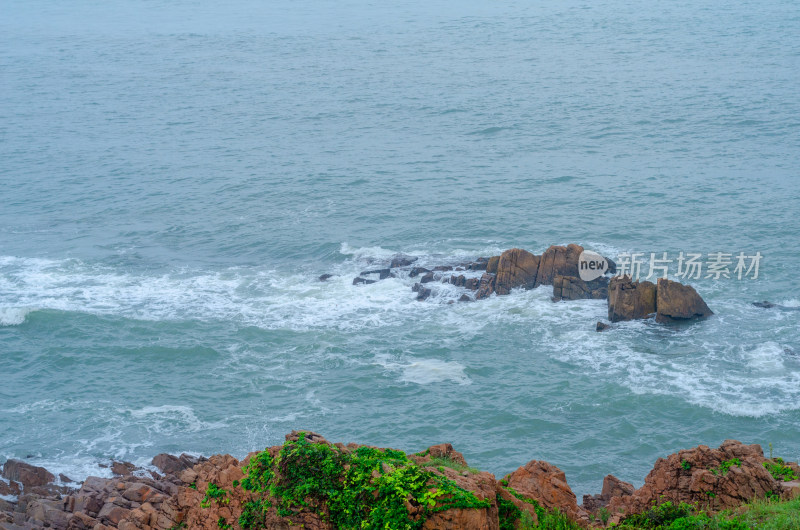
x,y
516,268
572,288
491,265
122,468
12,488
458,281
558,261
483,486
446,451
464,298
614,487
678,302
601,326
428,277
423,294
172,465
472,284
26,474
629,300
486,286
695,476
546,484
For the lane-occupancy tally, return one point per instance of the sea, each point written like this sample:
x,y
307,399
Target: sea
x,y
176,175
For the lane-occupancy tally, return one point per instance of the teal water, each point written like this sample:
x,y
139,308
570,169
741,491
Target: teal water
x,y
175,175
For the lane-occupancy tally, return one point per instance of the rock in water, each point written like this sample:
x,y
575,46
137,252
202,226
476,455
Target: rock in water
x,y
629,300
491,265
325,277
571,288
601,326
676,302
516,268
486,286
558,261
423,294
360,280
401,260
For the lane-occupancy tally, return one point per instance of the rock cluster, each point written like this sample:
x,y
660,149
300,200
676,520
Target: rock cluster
x,y
669,301
174,497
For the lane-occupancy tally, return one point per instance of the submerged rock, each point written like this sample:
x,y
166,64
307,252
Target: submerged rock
x,y
359,280
601,326
572,288
325,277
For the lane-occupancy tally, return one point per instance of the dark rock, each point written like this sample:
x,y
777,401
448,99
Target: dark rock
x,y
601,326
472,283
325,277
678,302
629,300
12,488
491,265
612,266
558,261
423,294
765,304
486,286
416,271
464,298
63,478
571,288
427,278
458,281
172,465
401,260
359,280
516,268
122,469
479,264
416,287
382,273
443,268
26,474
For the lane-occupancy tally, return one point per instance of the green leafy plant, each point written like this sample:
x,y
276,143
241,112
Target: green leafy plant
x,y
686,465
214,493
366,488
221,523
779,470
725,466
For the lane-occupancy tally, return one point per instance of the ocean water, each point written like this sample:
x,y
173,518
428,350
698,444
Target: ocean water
x,y
175,175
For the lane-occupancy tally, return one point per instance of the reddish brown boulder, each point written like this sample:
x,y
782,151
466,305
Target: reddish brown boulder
x,y
612,487
677,302
27,475
483,486
172,465
491,265
516,268
558,261
547,485
710,477
629,300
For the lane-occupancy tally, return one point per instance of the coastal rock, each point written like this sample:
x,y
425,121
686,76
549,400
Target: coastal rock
x,y
483,486
558,261
678,302
464,298
416,271
709,477
479,264
27,475
547,485
601,326
325,277
612,487
458,281
382,274
572,288
402,260
472,284
516,268
359,280
491,265
423,294
172,465
427,278
485,286
629,300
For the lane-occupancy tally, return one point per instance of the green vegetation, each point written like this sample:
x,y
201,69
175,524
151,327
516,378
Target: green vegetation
x,y
547,519
367,488
221,523
178,526
686,465
780,471
214,493
768,514
725,466
440,462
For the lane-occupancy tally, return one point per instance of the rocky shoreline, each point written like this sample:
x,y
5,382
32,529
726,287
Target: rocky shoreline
x,y
221,491
560,267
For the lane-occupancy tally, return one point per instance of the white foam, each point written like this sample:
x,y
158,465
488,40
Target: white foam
x,y
171,418
425,371
14,316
